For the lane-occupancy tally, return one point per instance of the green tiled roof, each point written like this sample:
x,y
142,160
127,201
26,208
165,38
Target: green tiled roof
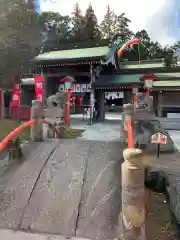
x,y
166,84
74,54
164,76
118,79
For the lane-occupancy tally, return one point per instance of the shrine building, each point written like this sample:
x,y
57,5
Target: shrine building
x,y
98,75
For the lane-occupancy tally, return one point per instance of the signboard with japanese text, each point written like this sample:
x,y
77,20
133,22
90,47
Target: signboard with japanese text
x,y
39,87
88,88
83,87
77,88
15,95
159,138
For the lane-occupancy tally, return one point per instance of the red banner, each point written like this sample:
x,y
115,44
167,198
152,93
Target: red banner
x,y
73,99
39,87
80,100
15,95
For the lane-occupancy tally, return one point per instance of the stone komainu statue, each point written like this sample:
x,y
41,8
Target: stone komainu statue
x,y
144,107
55,105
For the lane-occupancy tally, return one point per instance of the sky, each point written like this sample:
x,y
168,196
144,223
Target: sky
x,y
161,18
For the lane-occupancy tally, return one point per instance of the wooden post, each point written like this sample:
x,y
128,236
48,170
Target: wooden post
x,y
91,94
37,114
45,89
101,105
133,195
160,104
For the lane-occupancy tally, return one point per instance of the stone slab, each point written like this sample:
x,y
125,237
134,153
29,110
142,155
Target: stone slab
x,y
101,200
7,169
17,235
21,184
53,207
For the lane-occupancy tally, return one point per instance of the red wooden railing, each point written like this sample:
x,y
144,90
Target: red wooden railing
x,y
19,129
21,113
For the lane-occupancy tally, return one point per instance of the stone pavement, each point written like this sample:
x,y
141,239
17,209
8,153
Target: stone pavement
x,y
17,235
107,131
175,136
67,187
170,124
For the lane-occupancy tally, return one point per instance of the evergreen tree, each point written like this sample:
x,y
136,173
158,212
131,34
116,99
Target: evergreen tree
x,y
91,28
145,44
108,25
78,23
122,28
20,38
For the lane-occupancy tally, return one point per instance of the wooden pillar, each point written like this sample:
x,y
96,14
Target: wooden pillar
x,y
91,93
160,96
37,114
45,89
133,195
101,105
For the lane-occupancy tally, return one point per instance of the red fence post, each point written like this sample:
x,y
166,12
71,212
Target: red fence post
x,y
21,113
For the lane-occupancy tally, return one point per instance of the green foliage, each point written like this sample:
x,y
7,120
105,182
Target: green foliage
x,y
20,39
108,25
122,28
78,24
91,28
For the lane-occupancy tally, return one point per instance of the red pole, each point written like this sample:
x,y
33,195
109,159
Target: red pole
x,y
130,134
148,92
67,109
